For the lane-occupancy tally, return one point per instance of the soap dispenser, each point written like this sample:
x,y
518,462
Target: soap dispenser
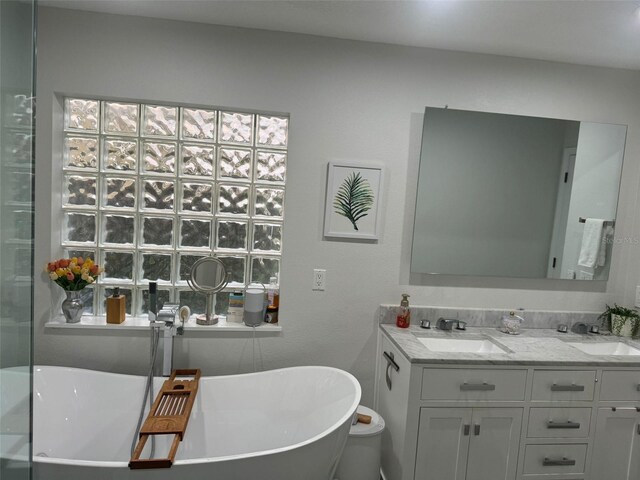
x,y
116,307
403,320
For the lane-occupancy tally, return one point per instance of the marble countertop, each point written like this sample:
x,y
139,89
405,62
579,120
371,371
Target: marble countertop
x,y
532,347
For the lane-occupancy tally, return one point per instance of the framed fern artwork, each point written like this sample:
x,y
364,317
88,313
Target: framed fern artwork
x,y
353,207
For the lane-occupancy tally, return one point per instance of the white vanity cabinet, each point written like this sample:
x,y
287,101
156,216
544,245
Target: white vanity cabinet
x,y
468,443
557,439
448,423
477,421
616,453
393,393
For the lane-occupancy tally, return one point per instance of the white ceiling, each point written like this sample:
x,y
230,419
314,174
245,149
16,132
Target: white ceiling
x,y
602,33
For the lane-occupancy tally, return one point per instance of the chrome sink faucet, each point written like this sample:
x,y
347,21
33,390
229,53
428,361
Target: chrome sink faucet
x,y
584,328
447,324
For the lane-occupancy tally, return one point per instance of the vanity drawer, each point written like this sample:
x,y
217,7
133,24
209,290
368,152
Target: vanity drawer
x,y
558,385
555,459
559,422
620,385
472,384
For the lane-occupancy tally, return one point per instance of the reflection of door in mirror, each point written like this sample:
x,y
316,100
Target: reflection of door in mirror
x,y
594,193
501,195
565,181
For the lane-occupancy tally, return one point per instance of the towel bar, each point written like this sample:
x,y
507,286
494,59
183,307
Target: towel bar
x,y
607,223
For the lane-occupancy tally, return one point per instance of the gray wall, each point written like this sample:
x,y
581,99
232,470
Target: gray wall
x,y
486,193
348,101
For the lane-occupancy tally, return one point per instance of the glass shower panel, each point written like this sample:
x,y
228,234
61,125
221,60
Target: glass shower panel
x,y
16,237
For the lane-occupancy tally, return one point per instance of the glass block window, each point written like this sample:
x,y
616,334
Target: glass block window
x,y
151,188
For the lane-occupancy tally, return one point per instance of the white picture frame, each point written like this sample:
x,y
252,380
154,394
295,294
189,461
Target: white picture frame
x,y
349,217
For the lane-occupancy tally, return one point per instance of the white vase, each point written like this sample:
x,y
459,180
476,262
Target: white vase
x,y
621,326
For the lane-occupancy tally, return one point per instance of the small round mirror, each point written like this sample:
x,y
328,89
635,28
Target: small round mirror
x,y
208,276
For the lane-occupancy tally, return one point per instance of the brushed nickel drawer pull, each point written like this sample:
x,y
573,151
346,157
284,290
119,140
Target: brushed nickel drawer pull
x,y
391,363
567,424
390,359
564,462
478,387
467,429
567,388
476,429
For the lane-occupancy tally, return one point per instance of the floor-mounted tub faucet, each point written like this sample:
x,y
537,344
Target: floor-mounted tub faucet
x,y
167,318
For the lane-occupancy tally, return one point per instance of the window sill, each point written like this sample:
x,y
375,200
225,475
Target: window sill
x,y
89,322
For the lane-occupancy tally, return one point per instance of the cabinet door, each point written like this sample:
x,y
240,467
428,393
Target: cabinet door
x,y
616,453
495,438
443,443
392,404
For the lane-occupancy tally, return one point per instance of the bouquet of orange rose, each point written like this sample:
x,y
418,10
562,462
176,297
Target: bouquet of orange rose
x,y
73,274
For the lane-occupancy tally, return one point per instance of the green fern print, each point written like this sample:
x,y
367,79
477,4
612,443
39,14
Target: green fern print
x,y
354,198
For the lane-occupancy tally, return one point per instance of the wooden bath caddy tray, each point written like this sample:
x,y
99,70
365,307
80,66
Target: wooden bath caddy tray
x,y
169,415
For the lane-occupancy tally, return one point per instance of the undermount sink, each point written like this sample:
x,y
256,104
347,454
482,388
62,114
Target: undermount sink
x,y
605,348
460,345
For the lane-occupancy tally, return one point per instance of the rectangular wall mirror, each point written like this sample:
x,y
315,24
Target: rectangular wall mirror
x,y
510,196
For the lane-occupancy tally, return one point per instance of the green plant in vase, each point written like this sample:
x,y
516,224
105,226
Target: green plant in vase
x,y
621,321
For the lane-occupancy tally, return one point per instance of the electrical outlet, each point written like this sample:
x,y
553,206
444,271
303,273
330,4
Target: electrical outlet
x,y
638,296
319,279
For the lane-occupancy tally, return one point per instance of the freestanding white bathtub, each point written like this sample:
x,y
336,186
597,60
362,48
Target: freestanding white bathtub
x,y
283,424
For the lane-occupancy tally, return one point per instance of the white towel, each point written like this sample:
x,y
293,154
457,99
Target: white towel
x,y
607,232
582,275
592,243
